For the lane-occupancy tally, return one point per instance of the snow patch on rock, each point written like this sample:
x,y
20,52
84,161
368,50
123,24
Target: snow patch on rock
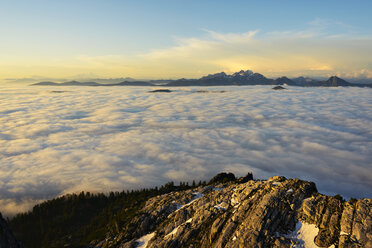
x,y
196,196
174,231
304,235
142,242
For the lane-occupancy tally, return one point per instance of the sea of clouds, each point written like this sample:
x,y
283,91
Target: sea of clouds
x,y
58,140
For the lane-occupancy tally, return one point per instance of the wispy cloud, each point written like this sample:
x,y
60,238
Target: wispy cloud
x,y
232,37
293,52
322,48
323,24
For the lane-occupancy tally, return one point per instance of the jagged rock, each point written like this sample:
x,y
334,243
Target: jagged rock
x,y
346,221
250,213
7,240
362,222
342,223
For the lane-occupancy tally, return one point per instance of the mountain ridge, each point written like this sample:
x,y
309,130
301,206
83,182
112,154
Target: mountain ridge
x,y
240,78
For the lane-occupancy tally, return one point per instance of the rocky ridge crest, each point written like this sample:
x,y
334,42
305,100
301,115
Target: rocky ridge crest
x,y
272,213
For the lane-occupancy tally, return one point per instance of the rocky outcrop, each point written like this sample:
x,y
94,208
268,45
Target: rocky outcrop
x,y
279,88
248,213
7,240
160,91
346,224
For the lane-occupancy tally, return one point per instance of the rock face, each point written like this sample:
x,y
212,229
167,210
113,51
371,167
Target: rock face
x,y
248,213
7,239
347,224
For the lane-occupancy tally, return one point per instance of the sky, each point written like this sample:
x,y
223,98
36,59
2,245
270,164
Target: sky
x,y
174,39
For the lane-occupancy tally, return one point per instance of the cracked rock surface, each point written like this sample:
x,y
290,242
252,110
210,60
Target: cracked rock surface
x,y
250,214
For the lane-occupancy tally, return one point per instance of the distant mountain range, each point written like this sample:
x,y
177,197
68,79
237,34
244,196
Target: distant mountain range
x,y
77,83
222,79
80,79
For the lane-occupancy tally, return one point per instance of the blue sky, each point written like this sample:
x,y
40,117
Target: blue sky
x,y
120,38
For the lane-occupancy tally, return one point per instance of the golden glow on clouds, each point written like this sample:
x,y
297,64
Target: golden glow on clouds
x,y
272,54
110,138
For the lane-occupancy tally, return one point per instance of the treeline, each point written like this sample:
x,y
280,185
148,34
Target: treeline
x,y
77,219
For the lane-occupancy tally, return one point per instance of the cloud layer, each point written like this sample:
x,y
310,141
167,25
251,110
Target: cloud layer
x,y
102,139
